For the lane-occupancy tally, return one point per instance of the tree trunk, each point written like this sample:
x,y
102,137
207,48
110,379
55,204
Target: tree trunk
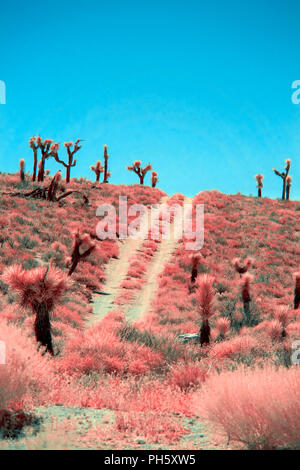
x,y
194,274
259,192
68,174
283,190
34,164
42,327
204,333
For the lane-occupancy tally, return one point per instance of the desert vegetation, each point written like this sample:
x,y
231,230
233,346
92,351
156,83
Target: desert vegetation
x,y
214,348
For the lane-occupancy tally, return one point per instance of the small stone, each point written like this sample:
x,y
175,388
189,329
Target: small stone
x,y
140,441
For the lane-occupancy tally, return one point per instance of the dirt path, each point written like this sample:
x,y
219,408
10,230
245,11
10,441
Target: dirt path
x,y
161,257
116,271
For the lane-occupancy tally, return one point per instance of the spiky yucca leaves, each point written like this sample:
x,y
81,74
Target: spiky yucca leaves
x,y
283,315
260,185
206,301
141,172
38,289
297,291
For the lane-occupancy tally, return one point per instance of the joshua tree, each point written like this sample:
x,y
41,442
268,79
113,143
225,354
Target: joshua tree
x,y
107,174
141,172
195,259
22,167
98,169
260,185
39,289
154,179
284,176
297,291
246,297
47,149
205,295
81,242
35,150
71,159
240,267
288,186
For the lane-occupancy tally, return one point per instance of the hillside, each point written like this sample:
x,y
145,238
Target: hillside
x,y
121,377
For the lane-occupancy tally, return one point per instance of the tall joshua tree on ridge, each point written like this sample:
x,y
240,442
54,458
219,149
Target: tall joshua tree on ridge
x,y
71,160
284,176
260,185
106,172
98,169
141,172
154,179
47,148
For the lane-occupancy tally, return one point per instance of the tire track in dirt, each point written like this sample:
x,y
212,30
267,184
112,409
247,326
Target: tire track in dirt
x,y
162,256
116,271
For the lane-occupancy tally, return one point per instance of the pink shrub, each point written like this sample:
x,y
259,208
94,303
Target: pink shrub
x,y
260,408
187,376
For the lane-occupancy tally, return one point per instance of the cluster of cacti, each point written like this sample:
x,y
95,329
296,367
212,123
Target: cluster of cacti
x,y
137,168
49,149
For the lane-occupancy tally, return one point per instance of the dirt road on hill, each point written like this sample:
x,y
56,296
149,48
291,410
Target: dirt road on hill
x,y
116,273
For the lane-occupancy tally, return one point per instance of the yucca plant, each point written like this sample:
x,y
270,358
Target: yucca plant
x,y
39,289
206,305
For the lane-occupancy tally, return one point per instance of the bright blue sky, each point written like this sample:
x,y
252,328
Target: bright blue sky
x,y
200,89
